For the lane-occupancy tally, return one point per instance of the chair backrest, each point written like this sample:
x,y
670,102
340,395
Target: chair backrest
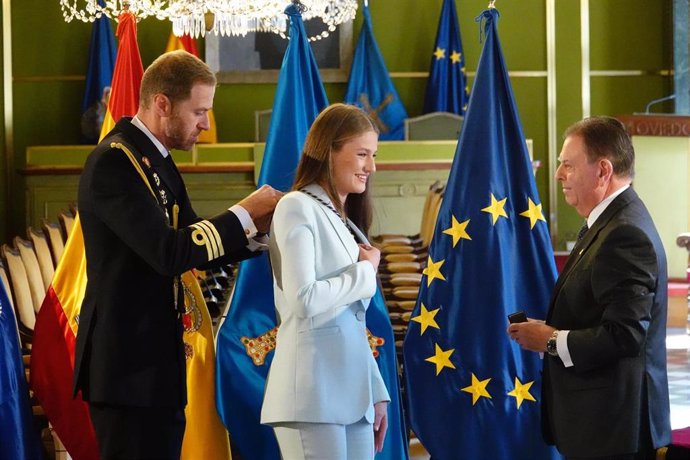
x,y
433,126
57,244
45,260
433,190
262,120
66,222
33,271
23,305
429,218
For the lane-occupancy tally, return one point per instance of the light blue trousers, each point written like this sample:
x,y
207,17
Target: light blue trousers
x,y
325,441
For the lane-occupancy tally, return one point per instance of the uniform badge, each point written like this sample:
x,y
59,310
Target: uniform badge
x,y
146,161
164,197
156,179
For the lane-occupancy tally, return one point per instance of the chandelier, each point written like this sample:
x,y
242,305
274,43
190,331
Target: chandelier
x,y
223,17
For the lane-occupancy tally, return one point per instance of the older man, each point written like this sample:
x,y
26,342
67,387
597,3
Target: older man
x,y
605,389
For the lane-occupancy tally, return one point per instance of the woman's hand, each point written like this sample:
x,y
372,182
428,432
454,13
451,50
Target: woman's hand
x,y
370,253
380,424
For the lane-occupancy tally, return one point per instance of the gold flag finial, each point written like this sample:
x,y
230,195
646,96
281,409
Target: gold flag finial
x,y
491,4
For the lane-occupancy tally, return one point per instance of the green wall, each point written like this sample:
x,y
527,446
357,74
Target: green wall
x,y
50,58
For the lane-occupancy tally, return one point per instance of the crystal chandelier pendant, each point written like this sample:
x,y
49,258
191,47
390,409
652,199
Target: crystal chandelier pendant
x,y
230,17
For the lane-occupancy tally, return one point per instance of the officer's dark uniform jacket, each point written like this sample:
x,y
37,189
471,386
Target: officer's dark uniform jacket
x,y
129,348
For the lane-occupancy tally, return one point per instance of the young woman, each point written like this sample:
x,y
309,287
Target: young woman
x,y
325,397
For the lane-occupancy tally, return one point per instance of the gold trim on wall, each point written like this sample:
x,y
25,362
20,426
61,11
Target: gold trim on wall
x,y
584,42
552,136
630,73
40,78
7,103
512,74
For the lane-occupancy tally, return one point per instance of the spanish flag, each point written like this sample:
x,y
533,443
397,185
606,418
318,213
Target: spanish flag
x,y
55,332
124,95
188,44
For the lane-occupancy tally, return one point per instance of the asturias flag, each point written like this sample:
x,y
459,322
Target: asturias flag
x,y
473,393
370,87
245,338
446,89
98,77
18,438
379,325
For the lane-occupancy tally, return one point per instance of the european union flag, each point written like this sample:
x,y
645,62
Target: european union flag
x,y
446,88
99,75
243,345
17,436
472,392
370,87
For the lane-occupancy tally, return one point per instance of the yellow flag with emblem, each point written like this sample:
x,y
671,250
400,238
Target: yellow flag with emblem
x,y
205,436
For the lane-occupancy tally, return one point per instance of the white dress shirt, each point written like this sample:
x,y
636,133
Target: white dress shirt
x,y
562,339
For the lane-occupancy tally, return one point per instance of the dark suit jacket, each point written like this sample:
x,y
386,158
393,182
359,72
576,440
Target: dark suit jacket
x,y
129,348
612,296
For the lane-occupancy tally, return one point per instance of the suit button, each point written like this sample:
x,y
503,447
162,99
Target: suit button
x,y
361,315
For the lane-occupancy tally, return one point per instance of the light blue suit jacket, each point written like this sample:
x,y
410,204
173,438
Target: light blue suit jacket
x,y
323,370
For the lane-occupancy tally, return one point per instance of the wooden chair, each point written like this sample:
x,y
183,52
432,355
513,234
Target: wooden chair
x,y
45,260
57,244
390,238
21,292
67,223
33,271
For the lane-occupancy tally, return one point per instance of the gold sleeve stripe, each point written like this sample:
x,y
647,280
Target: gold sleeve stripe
x,y
216,237
210,239
200,238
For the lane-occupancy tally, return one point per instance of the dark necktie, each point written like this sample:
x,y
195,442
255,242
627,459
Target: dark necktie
x,y
582,232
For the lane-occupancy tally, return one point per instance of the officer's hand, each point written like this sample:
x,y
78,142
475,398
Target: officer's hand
x,y
260,205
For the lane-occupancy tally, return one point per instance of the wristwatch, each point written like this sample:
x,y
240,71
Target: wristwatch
x,y
551,347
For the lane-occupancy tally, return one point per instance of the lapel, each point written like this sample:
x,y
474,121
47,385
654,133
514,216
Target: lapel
x,y
620,202
338,225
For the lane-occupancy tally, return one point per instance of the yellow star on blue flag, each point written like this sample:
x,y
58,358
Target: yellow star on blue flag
x,y
426,319
521,392
496,208
478,389
441,358
533,213
433,271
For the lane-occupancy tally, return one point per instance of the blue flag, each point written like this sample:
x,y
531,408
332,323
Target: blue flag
x,y
370,87
300,97
99,75
18,440
473,393
446,89
379,324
